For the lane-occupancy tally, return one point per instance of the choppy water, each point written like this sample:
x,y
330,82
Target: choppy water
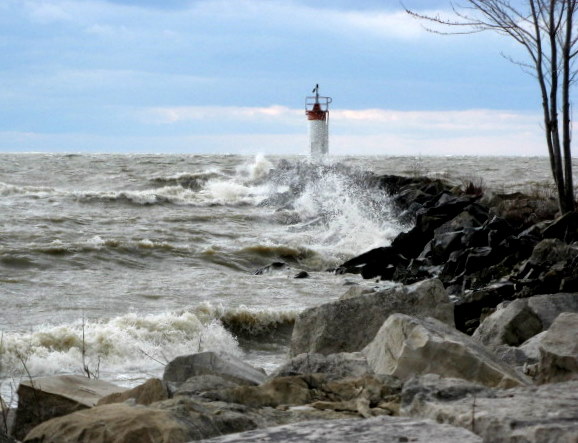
x,y
152,256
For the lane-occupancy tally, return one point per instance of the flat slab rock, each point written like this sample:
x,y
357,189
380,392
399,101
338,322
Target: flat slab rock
x,y
372,430
547,413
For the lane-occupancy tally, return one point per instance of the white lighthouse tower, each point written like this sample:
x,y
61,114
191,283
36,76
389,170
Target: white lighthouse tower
x,y
317,111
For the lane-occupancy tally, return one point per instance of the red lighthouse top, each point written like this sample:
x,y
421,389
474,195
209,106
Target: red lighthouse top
x,y
316,107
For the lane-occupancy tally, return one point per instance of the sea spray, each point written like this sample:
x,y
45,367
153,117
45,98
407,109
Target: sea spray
x,y
337,211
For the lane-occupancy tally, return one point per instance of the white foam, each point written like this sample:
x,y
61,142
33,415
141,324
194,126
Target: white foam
x,y
124,344
7,189
342,216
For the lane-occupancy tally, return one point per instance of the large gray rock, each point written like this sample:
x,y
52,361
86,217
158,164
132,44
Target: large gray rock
x,y
407,346
372,430
202,383
177,420
222,364
559,350
549,306
548,413
531,347
515,322
349,325
44,398
511,324
334,366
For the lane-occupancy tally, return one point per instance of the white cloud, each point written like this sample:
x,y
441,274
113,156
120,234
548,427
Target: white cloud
x,y
352,132
417,123
176,114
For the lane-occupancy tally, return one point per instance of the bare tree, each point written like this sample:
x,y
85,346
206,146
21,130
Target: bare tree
x,y
546,30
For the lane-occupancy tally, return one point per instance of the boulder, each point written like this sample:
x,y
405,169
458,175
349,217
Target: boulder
x,y
151,391
44,398
202,383
222,364
559,350
549,306
515,322
177,420
531,347
372,430
547,413
514,356
349,325
511,324
333,366
407,346
551,251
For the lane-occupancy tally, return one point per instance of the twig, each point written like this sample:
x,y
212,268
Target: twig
x,y
474,413
152,358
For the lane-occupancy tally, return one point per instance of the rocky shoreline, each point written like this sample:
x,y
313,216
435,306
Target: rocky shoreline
x,y
479,342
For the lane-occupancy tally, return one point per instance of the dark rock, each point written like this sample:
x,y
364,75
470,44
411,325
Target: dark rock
x,y
275,266
6,438
302,274
564,228
471,305
374,262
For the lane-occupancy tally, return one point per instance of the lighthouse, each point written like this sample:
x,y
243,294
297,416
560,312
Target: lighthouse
x,y
317,111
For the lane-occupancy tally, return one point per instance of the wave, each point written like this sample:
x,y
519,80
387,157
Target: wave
x,y
38,255
134,342
7,189
117,344
192,181
278,252
247,321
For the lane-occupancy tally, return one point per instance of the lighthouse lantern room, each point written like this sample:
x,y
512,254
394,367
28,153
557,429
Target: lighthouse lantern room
x,y
317,111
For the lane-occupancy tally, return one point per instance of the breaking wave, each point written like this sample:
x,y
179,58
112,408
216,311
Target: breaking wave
x,y
121,344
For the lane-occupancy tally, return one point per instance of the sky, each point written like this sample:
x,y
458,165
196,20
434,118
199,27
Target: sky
x,y
231,76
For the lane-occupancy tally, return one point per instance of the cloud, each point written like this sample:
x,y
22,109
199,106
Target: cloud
x,y
473,121
176,114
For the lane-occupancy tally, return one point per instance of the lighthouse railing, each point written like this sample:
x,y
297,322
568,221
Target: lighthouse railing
x,y
322,101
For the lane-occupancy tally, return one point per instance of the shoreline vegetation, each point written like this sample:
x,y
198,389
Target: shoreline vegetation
x,y
478,342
